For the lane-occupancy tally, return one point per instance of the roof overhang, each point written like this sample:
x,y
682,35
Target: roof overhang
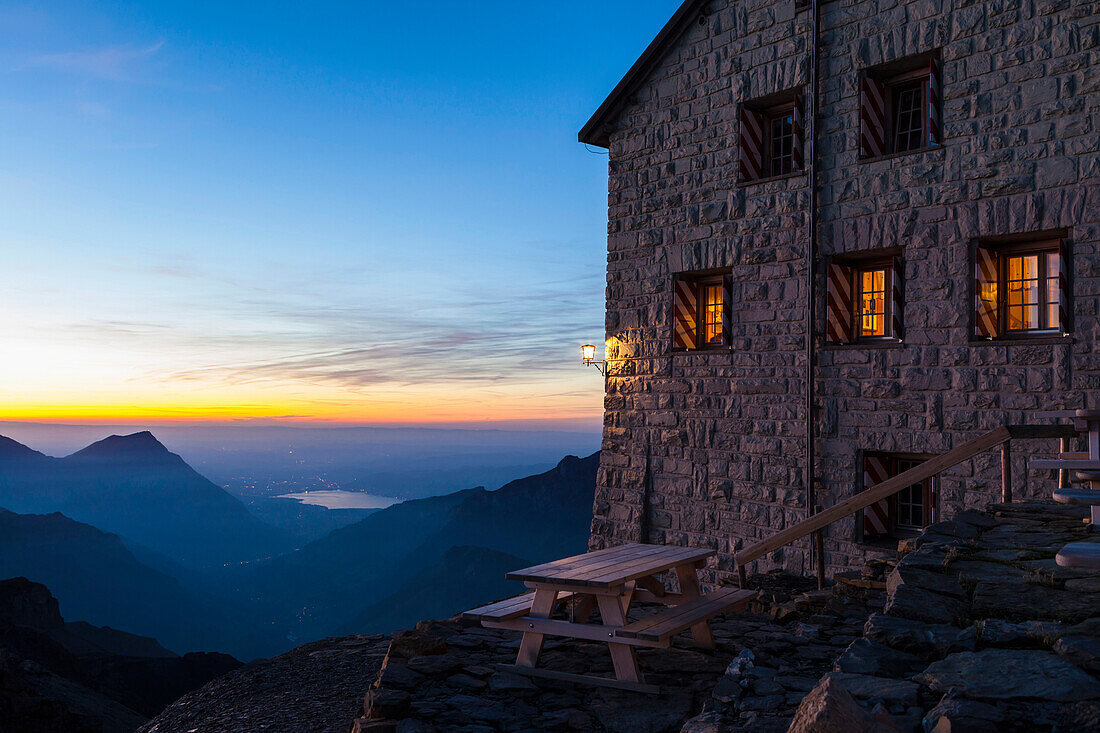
x,y
597,131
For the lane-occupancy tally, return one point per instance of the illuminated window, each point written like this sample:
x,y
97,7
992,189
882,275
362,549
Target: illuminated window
x,y
865,300
1021,290
872,302
714,313
701,311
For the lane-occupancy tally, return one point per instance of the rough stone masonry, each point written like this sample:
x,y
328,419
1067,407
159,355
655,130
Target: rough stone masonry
x,y
707,448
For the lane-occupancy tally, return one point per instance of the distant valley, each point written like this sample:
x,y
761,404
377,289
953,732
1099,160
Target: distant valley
x,y
125,534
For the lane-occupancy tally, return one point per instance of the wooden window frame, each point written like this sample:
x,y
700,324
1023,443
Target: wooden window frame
x,y
894,82
930,494
895,90
701,284
1043,243
858,269
770,116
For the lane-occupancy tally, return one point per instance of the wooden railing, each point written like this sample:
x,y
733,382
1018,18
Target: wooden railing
x,y
1002,436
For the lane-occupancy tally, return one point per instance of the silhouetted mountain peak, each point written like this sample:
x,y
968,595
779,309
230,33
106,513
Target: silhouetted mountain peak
x,y
13,450
25,603
137,446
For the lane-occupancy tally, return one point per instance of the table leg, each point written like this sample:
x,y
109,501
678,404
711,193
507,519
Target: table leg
x,y
622,656
689,588
531,645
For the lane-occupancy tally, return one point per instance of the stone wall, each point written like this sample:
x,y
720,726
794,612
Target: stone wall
x,y
708,448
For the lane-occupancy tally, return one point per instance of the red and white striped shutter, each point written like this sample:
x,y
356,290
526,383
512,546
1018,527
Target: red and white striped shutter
x,y
686,314
935,102
839,314
897,284
727,310
872,107
1065,310
987,312
797,137
752,145
876,518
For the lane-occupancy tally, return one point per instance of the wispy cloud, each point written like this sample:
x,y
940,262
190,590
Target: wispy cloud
x,y
113,63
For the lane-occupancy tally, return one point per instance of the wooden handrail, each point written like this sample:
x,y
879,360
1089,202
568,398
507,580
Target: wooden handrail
x,y
893,485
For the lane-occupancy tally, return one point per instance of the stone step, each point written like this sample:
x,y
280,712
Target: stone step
x,y
1081,497
1084,555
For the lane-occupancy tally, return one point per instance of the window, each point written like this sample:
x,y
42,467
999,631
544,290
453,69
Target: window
x,y
1022,289
780,138
771,137
865,300
909,510
900,107
701,311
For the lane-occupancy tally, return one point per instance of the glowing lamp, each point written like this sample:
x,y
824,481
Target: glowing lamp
x,y
588,356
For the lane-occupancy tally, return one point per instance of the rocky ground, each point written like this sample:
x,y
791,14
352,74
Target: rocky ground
x,y
315,688
973,627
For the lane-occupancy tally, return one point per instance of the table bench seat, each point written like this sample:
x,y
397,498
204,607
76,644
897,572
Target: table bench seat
x,y
510,608
1080,497
666,623
1083,555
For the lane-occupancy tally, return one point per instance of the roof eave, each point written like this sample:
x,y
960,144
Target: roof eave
x,y
597,131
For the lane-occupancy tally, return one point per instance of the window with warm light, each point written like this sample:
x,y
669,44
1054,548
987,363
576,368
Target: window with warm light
x,y
701,313
873,309
865,300
1022,290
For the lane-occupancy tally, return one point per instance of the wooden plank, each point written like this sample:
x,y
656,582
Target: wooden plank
x,y
672,621
689,586
884,490
652,584
1085,555
1035,432
1075,464
531,645
622,656
580,560
581,563
580,679
648,566
592,569
510,607
576,588
554,627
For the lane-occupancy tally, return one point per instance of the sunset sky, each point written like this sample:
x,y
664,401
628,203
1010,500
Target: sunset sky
x,y
354,212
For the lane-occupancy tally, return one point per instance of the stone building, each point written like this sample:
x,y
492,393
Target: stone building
x,y
951,242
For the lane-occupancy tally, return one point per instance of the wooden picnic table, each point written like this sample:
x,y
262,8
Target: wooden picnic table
x,y
611,580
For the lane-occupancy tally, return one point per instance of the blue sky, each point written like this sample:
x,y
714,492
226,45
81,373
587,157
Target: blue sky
x,y
337,211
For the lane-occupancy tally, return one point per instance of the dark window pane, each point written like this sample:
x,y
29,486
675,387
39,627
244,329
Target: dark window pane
x,y
909,118
780,155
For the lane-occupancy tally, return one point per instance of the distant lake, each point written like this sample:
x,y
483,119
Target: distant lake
x,y
342,499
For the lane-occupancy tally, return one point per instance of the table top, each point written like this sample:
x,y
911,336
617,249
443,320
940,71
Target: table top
x,y
611,567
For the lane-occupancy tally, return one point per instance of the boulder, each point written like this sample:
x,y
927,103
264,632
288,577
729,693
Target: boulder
x,y
830,708
957,715
410,644
920,595
1084,651
998,632
877,689
1000,674
864,656
916,637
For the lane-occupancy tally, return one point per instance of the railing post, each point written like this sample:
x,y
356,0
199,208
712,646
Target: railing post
x,y
742,581
819,552
1006,472
1063,474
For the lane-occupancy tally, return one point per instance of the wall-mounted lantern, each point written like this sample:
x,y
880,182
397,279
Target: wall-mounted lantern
x,y
588,356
